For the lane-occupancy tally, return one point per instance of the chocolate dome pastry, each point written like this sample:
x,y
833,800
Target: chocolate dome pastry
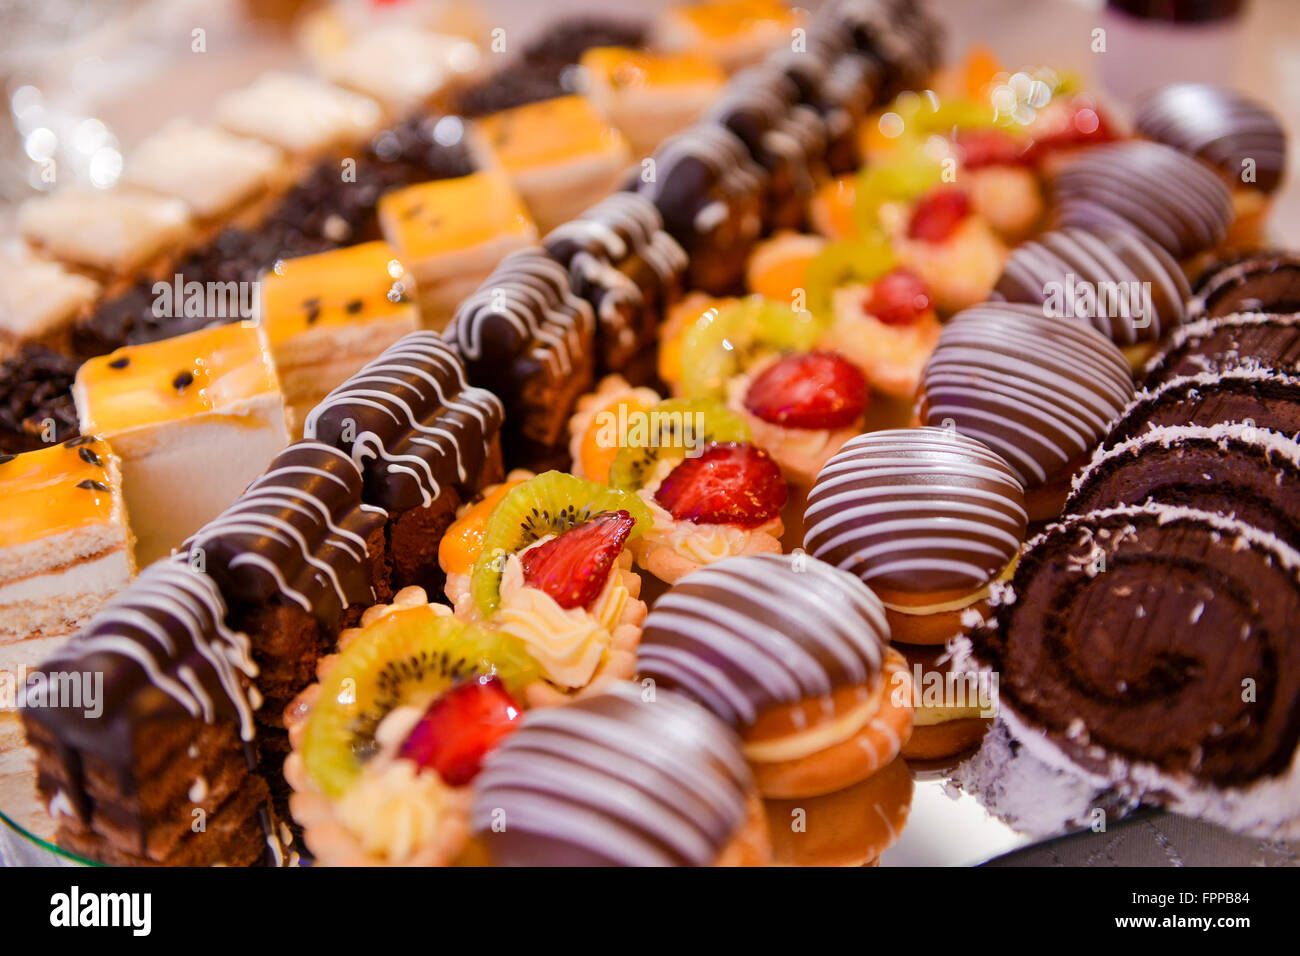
x,y
1269,282
1253,397
618,780
1250,473
1154,650
926,517
1039,392
793,653
1147,187
1245,340
1126,285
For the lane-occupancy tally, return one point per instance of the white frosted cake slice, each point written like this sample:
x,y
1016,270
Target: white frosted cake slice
x,y
38,298
325,316
194,419
402,66
113,231
300,115
65,546
210,170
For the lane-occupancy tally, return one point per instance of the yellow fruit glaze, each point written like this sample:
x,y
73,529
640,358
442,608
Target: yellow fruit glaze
x,y
362,283
547,133
598,454
56,490
461,545
637,69
451,214
779,266
832,209
719,19
205,371
679,321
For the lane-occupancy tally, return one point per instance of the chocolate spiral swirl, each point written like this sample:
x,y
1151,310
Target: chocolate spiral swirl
x,y
1224,343
1269,282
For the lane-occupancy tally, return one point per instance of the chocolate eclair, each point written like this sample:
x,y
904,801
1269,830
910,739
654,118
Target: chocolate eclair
x,y
1153,649
619,779
1039,392
1126,285
1228,342
926,517
793,653
1148,187
1254,397
1250,473
1268,282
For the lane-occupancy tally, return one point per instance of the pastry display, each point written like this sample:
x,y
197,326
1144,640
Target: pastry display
x,y
928,518
1039,392
1268,282
193,419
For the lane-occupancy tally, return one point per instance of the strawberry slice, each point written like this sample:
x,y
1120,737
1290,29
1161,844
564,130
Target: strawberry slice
x,y
812,390
1078,124
461,727
938,214
728,483
573,567
990,147
899,297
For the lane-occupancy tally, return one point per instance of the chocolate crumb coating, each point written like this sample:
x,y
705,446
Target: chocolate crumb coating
x,y
1267,282
517,84
901,36
613,780
1231,132
565,40
1255,397
1148,187
749,634
36,393
1130,633
1224,343
1249,473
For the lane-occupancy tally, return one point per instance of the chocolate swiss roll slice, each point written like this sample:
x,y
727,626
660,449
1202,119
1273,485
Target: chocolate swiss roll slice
x,y
619,780
1254,397
1154,650
1224,343
296,557
151,764
1269,282
526,337
622,261
1147,187
1249,473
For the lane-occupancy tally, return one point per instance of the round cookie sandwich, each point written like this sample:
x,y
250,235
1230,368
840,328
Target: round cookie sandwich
x,y
926,517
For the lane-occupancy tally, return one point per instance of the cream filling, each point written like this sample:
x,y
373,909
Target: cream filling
x,y
102,575
394,809
929,716
700,543
810,741
957,604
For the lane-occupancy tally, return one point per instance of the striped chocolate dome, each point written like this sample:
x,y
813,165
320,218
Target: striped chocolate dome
x,y
917,509
751,633
613,779
1039,392
1147,187
1097,276
1218,126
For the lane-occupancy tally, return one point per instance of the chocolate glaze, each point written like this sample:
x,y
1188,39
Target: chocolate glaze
x,y
297,534
1090,260
1038,391
613,780
1145,187
1269,282
1228,342
900,36
1146,660
411,423
1218,126
565,40
916,509
750,633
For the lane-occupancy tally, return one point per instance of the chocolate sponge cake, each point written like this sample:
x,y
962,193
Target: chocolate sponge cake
x,y
1256,397
1269,282
1154,650
151,763
1224,343
425,442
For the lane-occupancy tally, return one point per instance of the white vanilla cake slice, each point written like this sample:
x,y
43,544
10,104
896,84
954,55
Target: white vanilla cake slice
x,y
65,546
302,116
194,420
38,298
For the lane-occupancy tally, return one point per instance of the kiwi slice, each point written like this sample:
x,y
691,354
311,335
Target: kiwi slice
x,y
409,655
551,503
846,263
725,340
896,178
663,437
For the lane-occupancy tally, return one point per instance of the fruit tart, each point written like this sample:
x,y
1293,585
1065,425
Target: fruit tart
x,y
712,493
545,558
386,744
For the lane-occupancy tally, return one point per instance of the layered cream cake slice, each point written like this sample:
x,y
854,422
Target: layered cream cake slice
x,y
302,116
38,298
451,233
65,546
403,66
325,316
737,33
194,420
561,154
